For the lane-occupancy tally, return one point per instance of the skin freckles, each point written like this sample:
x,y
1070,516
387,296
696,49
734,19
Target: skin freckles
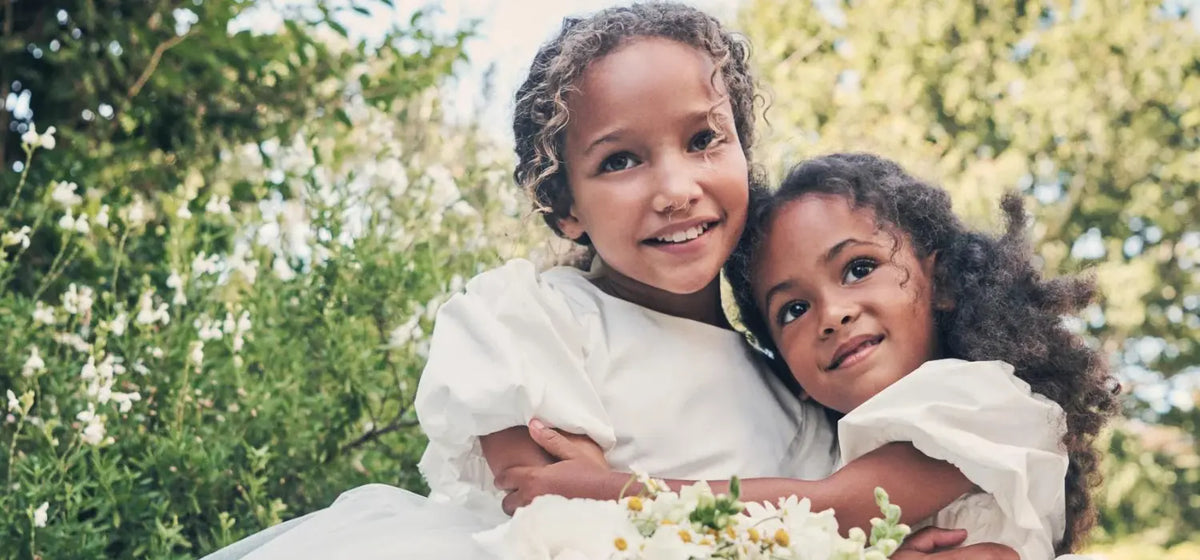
x,y
850,310
646,163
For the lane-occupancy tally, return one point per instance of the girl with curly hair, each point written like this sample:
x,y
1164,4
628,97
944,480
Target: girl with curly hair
x,y
875,301
886,309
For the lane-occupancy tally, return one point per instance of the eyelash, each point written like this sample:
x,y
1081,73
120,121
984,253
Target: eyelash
x,y
781,315
861,261
712,139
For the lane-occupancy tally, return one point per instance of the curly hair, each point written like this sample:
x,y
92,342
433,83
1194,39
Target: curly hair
x,y
1002,307
540,116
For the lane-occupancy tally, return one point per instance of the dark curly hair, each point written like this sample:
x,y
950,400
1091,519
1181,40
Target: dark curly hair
x,y
1002,307
540,116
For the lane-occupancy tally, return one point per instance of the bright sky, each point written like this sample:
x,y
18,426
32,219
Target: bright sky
x,y
508,34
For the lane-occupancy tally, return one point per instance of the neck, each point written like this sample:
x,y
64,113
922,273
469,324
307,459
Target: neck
x,y
703,306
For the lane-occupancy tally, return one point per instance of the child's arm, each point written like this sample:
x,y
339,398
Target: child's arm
x,y
919,485
513,447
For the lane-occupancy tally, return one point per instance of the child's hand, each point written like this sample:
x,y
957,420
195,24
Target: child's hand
x,y
579,473
933,542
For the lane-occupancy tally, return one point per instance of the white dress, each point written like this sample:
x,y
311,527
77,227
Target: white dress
x,y
1006,439
663,395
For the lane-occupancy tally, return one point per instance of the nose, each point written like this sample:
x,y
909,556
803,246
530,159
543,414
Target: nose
x,y
676,186
836,316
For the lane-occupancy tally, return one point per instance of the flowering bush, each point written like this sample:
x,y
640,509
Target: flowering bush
x,y
264,356
691,524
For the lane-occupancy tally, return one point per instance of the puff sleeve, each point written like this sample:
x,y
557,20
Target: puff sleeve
x,y
508,349
988,423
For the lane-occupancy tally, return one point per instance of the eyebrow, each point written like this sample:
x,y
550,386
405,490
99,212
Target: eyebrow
x,y
830,255
837,249
606,139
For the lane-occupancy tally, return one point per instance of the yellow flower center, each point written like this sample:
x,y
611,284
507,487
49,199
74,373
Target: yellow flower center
x,y
781,537
635,504
620,544
685,536
754,536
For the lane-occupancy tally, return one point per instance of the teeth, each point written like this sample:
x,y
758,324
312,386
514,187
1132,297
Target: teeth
x,y
685,235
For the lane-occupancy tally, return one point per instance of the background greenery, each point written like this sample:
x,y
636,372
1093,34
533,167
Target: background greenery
x,y
273,220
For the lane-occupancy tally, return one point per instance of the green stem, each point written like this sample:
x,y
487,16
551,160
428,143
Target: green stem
x,y
112,286
53,273
12,449
183,394
20,184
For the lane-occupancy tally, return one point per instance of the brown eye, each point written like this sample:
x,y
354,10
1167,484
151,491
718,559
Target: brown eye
x,y
791,311
703,140
858,269
618,162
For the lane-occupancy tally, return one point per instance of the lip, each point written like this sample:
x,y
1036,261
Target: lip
x,y
681,226
854,350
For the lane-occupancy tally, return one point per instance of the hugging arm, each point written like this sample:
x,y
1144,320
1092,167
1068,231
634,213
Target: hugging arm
x,y
918,484
512,447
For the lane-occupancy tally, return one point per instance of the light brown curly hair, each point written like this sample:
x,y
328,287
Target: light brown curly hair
x,y
540,116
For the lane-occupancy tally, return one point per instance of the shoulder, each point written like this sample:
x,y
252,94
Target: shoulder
x,y
518,286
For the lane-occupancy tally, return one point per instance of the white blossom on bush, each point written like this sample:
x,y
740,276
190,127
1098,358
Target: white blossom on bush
x,y
43,314
70,223
148,314
44,140
34,364
42,513
136,214
16,237
196,353
77,300
102,216
119,323
63,193
93,431
405,333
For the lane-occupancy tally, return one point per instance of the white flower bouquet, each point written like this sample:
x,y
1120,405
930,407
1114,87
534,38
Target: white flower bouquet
x,y
692,524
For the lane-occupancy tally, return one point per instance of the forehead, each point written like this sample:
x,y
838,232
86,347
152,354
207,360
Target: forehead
x,y
643,78
818,216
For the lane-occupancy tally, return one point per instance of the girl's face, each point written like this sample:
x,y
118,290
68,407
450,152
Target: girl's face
x,y
661,194
850,311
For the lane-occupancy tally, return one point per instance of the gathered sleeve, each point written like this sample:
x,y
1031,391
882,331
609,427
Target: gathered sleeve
x,y
987,422
508,349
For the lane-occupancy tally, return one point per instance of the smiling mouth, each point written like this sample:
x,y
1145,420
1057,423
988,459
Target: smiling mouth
x,y
682,236
854,351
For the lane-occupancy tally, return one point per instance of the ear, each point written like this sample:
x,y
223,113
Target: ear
x,y
571,226
942,300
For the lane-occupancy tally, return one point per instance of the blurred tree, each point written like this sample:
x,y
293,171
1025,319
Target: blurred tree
x,y
1090,107
146,94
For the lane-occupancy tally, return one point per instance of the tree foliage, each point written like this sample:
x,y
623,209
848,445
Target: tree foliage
x,y
215,287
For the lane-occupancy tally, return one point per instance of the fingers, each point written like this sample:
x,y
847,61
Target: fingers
x,y
513,478
932,539
552,441
511,502
981,551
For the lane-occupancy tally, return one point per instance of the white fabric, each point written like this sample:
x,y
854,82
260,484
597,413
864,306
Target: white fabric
x,y
1003,437
664,395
